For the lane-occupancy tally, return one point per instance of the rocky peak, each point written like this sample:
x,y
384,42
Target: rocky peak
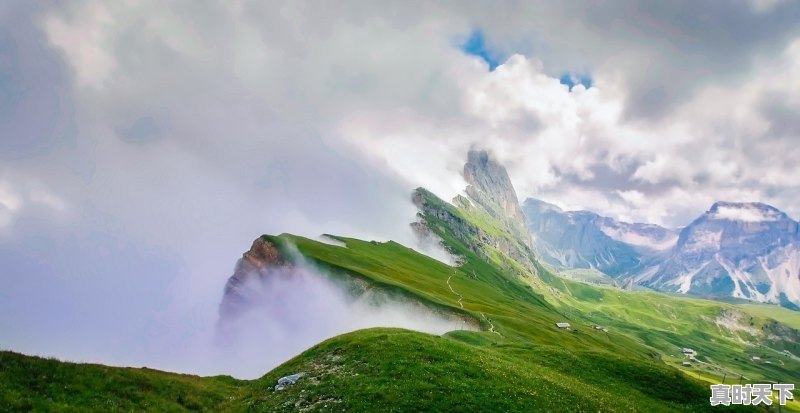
x,y
487,220
739,230
490,187
256,263
261,254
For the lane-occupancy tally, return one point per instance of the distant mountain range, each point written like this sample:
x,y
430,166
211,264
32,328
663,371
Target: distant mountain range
x,y
583,239
741,250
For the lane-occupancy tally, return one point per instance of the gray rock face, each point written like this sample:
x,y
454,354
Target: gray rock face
x,y
490,186
742,250
583,239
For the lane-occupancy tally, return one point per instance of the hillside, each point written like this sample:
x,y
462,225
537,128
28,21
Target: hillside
x,y
371,370
621,352
734,250
530,364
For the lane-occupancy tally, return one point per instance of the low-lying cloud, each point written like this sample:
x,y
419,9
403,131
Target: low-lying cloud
x,y
289,309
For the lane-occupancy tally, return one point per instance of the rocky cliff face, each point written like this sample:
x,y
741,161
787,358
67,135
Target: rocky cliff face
x,y
490,187
740,250
743,250
516,257
583,239
258,262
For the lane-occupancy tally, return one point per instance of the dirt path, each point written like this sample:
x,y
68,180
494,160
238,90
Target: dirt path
x,y
491,326
461,304
460,297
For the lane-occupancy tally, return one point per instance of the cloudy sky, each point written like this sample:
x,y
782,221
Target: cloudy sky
x,y
144,145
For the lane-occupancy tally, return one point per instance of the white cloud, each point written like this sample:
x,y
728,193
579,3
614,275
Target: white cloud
x,y
85,41
746,213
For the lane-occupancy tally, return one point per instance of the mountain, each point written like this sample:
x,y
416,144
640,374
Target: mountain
x,y
490,187
583,239
487,218
733,250
741,250
504,351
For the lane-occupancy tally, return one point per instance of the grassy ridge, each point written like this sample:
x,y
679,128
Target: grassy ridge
x,y
371,370
48,385
397,370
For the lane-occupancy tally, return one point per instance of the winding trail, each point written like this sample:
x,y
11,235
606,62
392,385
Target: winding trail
x,y
460,297
461,304
491,326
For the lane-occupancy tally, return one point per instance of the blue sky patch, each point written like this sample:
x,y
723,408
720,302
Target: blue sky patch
x,y
476,45
572,79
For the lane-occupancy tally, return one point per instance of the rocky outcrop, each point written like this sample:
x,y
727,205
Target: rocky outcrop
x,y
286,381
490,186
255,264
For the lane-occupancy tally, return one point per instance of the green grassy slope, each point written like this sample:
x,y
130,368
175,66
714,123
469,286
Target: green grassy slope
x,y
533,365
781,314
516,311
48,385
643,325
397,370
371,370
726,336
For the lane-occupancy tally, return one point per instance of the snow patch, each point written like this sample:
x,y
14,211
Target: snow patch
x,y
685,280
785,276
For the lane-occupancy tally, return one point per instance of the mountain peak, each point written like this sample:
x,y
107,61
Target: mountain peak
x,y
490,186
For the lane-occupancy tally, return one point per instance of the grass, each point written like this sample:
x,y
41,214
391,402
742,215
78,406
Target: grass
x,y
667,323
396,370
48,385
781,314
371,370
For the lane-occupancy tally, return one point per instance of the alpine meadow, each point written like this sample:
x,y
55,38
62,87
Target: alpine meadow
x,y
399,206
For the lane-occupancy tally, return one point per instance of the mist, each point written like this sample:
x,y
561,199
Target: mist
x,y
289,309
122,214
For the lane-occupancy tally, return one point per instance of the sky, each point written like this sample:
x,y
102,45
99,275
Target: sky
x,y
144,145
